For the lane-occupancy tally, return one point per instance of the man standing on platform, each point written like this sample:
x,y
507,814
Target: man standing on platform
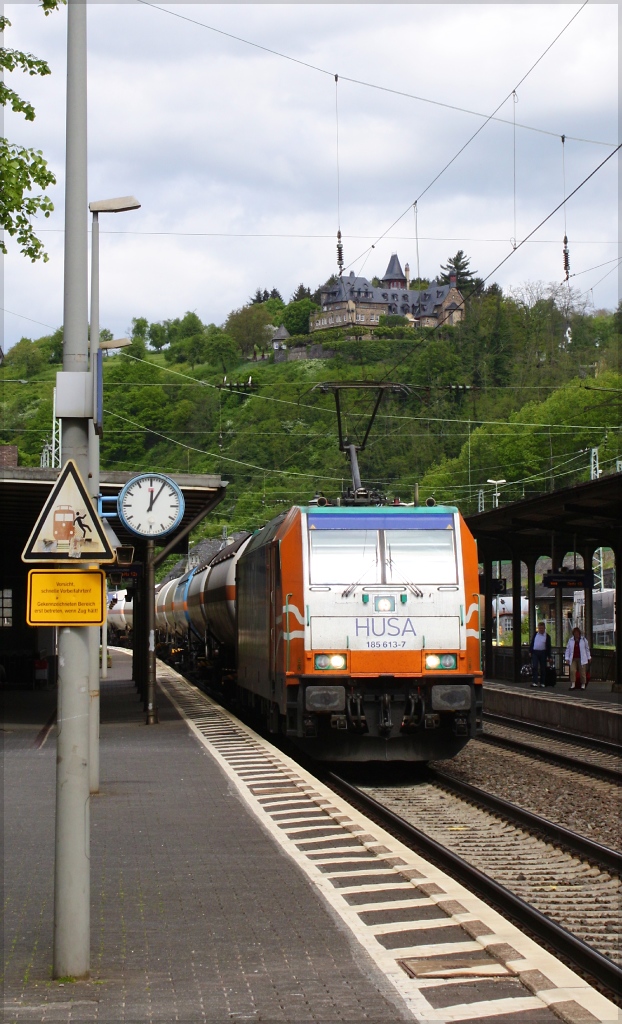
x,y
540,650
578,658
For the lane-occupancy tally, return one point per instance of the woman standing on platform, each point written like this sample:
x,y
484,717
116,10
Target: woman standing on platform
x,y
578,657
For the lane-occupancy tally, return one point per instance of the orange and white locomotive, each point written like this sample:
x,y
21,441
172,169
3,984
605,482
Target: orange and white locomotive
x,y
353,630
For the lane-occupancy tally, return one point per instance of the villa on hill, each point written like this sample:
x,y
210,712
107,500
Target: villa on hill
x,y
354,300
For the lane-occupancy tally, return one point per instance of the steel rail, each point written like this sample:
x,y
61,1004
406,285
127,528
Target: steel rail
x,y
597,770
600,968
603,856
606,746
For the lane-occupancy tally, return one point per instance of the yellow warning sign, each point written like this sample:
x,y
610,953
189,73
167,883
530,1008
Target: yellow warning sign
x,y
68,527
66,597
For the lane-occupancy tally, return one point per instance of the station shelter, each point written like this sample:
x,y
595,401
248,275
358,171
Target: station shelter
x,y
27,653
568,527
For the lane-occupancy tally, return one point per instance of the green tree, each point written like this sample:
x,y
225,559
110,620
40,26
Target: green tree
x,y
275,306
460,266
419,284
302,292
158,336
26,358
296,315
221,349
248,327
393,320
23,170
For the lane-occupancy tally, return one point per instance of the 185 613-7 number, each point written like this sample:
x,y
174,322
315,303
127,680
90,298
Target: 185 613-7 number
x,y
386,643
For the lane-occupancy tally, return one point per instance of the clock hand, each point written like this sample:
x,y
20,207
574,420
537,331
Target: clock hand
x,y
154,499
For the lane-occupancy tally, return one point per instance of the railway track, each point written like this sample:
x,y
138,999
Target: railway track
x,y
592,757
400,907
496,850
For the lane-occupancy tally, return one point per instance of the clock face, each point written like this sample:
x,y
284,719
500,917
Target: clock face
x,y
151,505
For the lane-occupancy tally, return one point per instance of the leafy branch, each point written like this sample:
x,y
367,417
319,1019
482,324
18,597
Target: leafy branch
x,y
22,169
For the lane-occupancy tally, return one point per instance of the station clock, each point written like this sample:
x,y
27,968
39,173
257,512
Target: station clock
x,y
151,505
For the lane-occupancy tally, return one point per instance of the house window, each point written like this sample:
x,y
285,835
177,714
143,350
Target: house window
x,y
6,608
331,319
323,320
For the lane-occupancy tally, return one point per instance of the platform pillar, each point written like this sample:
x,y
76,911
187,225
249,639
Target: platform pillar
x,y
489,669
516,617
617,553
588,599
531,592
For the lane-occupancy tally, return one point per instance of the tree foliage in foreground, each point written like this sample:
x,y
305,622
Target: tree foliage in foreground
x,y
23,170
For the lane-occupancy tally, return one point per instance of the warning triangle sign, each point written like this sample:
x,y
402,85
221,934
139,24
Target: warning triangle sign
x,y
68,528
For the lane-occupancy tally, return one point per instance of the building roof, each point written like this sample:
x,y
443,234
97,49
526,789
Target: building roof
x,y
281,334
581,515
405,300
394,271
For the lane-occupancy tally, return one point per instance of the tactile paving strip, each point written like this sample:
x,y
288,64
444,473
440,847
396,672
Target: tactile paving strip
x,y
450,956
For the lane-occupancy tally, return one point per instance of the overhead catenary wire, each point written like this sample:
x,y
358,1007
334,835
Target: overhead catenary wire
x,y
387,416
480,129
374,85
520,244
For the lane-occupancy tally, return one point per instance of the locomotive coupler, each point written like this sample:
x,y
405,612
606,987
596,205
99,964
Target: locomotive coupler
x,y
356,713
460,726
385,723
413,712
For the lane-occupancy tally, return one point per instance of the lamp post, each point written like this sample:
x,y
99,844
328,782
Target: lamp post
x,y
119,205
495,497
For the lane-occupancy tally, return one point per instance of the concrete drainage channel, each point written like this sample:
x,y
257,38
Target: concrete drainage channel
x,y
449,955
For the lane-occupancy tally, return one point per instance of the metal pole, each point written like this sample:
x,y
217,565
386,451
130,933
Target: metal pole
x,y
72,840
94,631
152,708
354,466
104,672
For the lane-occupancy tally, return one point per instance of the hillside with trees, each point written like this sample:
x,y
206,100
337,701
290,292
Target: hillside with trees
x,y
520,390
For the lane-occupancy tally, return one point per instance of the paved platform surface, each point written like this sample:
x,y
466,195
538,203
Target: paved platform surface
x,y
596,690
593,712
197,915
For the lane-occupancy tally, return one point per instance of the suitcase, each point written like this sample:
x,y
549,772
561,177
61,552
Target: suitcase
x,y
550,676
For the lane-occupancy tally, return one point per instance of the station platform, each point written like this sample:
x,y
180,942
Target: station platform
x,y
229,885
595,712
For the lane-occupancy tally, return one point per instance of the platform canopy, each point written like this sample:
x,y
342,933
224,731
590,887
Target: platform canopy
x,y
24,489
576,518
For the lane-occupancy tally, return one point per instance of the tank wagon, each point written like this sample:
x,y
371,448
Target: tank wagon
x,y
120,611
354,631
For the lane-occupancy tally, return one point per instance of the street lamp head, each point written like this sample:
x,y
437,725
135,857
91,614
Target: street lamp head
x,y
496,481
119,205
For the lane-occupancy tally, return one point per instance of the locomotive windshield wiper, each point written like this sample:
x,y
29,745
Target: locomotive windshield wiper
x,y
352,587
414,589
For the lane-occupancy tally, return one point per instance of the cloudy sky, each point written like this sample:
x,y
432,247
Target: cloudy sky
x,y
232,150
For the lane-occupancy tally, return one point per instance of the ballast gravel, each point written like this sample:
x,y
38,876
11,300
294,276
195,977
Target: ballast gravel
x,y
585,805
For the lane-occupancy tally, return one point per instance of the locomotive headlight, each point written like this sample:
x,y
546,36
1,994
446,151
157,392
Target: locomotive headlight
x,y
384,604
444,661
324,661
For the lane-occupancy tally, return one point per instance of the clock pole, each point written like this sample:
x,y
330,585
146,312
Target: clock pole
x,y
152,709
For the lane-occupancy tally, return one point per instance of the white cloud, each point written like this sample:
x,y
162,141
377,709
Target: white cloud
x,y
215,136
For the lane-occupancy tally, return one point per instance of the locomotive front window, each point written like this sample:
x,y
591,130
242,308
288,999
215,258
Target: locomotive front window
x,y
420,556
344,556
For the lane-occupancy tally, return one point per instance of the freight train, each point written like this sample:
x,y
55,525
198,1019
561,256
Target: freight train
x,y
355,631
